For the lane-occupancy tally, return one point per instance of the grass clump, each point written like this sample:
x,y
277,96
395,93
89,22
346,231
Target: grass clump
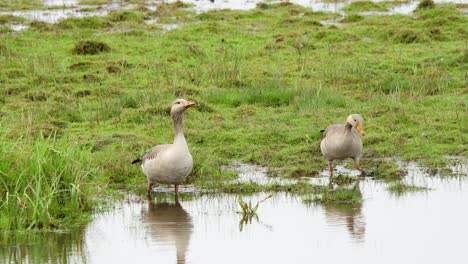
x,y
90,47
10,19
250,187
362,6
401,188
386,171
120,16
95,2
352,18
408,36
43,184
338,196
41,26
176,10
343,180
425,4
20,4
83,23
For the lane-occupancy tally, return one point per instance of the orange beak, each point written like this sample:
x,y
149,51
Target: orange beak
x,y
360,130
189,104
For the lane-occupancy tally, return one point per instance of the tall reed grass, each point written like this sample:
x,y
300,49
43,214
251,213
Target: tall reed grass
x,y
44,182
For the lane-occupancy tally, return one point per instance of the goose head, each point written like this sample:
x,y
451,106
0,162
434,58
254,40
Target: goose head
x,y
356,121
179,106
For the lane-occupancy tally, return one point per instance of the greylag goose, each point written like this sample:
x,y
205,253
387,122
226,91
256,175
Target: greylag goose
x,y
343,141
169,163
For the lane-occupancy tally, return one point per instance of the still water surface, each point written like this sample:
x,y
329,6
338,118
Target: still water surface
x,y
417,227
71,8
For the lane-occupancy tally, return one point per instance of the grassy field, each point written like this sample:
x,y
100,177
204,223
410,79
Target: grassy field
x,y
82,98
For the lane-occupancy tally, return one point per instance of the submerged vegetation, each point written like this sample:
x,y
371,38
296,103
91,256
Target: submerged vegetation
x,y
81,98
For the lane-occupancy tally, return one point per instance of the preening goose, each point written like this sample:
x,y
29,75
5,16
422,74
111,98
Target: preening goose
x,y
343,141
169,163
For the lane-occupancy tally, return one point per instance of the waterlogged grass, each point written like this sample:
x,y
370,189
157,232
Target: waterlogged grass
x,y
95,2
386,171
20,4
250,187
351,18
362,6
43,184
343,180
400,188
10,19
266,81
337,196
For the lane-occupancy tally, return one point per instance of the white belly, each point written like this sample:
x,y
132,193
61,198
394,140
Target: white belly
x,y
168,169
333,150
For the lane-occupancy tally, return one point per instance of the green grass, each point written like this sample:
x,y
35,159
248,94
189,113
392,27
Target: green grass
x,y
44,184
10,19
20,4
338,196
351,18
298,188
362,6
425,4
266,81
95,2
401,188
385,170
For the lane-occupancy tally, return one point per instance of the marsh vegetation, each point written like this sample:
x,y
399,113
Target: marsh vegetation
x,y
83,97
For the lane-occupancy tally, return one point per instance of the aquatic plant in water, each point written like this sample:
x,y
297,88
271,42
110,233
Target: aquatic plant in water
x,y
248,211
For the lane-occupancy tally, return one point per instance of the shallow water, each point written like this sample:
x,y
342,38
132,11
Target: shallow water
x,y
60,2
71,8
315,5
416,227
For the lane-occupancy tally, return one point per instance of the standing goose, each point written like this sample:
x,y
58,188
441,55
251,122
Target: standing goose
x,y
343,141
169,163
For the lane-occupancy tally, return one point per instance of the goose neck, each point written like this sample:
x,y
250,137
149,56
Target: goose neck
x,y
178,128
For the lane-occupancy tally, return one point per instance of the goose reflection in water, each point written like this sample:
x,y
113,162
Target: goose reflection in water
x,y
349,215
169,224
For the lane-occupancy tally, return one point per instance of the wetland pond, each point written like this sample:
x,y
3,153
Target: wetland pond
x,y
429,226
56,10
412,227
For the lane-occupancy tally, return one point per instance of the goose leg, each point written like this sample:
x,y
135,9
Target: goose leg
x,y
363,172
176,188
330,168
148,190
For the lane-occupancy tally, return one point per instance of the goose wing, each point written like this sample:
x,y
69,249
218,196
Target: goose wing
x,y
152,153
